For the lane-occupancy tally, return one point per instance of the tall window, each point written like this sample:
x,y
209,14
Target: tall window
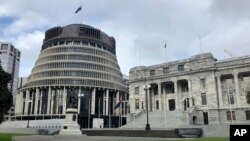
x,y
152,72
137,104
248,115
230,116
136,90
180,67
203,83
142,105
4,47
203,99
166,70
230,98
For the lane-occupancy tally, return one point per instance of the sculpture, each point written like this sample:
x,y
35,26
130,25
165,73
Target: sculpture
x,y
72,99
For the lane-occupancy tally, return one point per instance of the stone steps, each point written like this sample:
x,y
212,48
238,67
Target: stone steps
x,y
157,120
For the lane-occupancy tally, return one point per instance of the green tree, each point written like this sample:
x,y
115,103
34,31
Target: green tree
x,y
6,97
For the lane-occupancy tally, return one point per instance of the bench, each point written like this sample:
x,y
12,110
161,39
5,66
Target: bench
x,y
188,132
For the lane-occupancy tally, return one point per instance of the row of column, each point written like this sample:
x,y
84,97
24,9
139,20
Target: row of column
x,y
237,90
37,100
163,103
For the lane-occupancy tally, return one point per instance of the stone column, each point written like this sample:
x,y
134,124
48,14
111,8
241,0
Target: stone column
x,y
21,103
52,102
152,98
117,101
41,102
79,100
32,102
36,101
48,104
164,99
18,99
57,102
176,95
107,102
19,107
189,91
104,103
220,91
237,89
64,100
26,102
160,96
93,101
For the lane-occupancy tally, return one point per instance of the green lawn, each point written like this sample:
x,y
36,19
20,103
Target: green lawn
x,y
7,136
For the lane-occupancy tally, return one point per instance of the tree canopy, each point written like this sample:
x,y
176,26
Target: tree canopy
x,y
6,97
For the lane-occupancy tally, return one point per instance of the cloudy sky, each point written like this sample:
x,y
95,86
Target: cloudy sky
x,y
141,27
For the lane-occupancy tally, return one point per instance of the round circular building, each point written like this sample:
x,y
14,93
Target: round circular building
x,y
76,58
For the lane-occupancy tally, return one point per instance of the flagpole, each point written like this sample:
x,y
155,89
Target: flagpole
x,y
81,12
166,52
164,95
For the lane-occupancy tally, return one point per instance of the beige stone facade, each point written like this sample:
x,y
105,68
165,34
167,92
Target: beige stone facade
x,y
199,88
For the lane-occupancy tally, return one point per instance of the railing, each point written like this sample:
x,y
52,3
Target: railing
x,y
132,117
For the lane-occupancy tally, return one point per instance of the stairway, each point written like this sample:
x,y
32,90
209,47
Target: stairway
x,y
157,120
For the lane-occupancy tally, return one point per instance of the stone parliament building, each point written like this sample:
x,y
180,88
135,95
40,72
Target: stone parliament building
x,y
199,90
77,58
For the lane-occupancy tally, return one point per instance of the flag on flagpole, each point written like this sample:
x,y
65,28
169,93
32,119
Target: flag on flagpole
x,y
165,45
118,104
78,9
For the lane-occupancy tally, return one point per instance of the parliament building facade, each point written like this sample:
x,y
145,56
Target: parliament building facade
x,y
200,89
77,58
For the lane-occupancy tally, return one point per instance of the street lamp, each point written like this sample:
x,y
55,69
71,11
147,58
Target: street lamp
x,y
146,88
29,106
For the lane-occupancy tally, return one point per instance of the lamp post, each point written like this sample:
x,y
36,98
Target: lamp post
x,y
29,113
146,88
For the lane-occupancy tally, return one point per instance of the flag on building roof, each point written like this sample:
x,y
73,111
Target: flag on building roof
x,y
78,9
165,45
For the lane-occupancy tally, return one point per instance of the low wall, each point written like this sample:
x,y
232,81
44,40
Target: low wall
x,y
27,130
131,133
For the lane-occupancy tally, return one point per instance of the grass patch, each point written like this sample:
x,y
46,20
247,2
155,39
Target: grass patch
x,y
8,136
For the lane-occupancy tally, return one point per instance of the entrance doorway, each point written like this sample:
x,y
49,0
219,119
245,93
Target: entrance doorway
x,y
205,117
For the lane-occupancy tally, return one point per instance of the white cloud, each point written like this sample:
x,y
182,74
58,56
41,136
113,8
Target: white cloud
x,y
140,24
30,46
27,22
234,38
